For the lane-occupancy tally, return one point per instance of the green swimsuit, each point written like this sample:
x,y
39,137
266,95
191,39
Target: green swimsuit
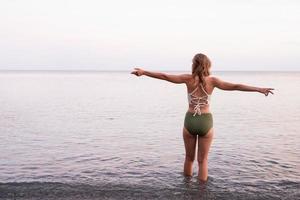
x,y
198,123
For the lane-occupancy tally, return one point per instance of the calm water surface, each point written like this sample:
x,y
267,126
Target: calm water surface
x,y
111,135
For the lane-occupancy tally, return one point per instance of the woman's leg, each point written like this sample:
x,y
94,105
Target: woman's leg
x,y
190,150
203,149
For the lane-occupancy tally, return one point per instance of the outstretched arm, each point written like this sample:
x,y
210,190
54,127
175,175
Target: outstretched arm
x,y
182,78
223,85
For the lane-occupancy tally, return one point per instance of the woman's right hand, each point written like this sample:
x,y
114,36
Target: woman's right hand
x,y
266,91
138,71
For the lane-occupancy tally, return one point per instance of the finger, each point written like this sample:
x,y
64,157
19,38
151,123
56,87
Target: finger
x,y
271,92
136,68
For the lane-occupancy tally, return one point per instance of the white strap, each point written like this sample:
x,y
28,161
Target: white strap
x,y
193,91
204,90
197,110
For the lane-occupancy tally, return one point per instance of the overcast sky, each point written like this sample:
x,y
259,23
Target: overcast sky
x,y
154,34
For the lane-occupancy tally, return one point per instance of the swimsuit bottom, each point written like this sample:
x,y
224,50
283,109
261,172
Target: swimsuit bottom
x,y
198,124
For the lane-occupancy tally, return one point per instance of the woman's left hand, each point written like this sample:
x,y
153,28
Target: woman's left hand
x,y
138,71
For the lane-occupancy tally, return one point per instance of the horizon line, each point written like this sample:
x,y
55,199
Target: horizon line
x,y
94,70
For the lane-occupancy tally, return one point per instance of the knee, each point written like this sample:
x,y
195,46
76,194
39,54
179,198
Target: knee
x,y
190,158
202,160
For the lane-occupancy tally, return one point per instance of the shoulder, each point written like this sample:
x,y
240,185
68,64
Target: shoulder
x,y
213,79
186,77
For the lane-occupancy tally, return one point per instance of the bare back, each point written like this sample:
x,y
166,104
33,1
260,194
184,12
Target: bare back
x,y
193,83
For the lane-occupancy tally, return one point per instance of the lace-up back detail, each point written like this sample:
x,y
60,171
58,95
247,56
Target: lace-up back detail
x,y
198,102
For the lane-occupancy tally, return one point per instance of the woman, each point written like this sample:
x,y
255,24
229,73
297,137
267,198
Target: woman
x,y
198,122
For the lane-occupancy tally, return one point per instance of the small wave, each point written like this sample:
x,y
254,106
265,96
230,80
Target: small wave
x,y
272,162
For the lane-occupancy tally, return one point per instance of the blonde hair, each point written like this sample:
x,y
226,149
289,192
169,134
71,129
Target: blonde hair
x,y
201,67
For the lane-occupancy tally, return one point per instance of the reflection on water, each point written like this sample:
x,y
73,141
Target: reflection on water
x,y
113,135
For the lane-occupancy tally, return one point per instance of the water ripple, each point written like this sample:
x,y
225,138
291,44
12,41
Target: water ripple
x,y
90,149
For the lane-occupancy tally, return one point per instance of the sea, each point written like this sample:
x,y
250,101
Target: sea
x,y
113,135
